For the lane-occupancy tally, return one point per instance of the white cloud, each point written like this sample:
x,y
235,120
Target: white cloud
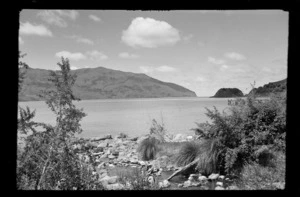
x,y
55,17
201,79
224,67
29,29
146,69
150,33
96,55
128,55
215,61
71,56
73,68
149,69
21,40
95,18
234,56
82,40
166,69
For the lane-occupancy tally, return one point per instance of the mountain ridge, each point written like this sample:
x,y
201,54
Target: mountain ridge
x,y
103,83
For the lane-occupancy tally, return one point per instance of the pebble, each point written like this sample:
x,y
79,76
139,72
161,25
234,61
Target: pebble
x,y
202,178
213,176
219,184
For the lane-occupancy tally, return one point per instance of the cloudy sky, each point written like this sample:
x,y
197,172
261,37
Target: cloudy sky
x,y
200,50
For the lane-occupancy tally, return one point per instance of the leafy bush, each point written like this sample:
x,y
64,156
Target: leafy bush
x,y
241,133
48,160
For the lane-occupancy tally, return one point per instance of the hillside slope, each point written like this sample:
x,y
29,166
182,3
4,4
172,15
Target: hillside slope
x,y
228,92
272,87
103,83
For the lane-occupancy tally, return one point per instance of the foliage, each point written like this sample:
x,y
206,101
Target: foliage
x,y
148,148
188,153
48,160
158,130
255,176
248,132
22,67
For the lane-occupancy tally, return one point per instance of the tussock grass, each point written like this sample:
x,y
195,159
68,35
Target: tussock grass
x,y
148,148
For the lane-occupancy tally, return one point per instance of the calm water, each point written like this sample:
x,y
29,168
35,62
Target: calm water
x,y
134,116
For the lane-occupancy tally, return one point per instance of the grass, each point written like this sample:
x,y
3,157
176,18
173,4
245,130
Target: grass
x,y
262,177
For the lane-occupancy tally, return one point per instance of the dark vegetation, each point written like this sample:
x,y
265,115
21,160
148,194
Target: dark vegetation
x,y
48,160
247,142
228,92
273,87
103,83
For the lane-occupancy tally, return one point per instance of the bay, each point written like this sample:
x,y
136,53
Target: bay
x,y
134,116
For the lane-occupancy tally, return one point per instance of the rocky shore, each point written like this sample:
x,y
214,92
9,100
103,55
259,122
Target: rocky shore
x,y
109,153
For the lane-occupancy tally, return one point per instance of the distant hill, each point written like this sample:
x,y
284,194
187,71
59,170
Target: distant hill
x,y
273,87
228,92
103,83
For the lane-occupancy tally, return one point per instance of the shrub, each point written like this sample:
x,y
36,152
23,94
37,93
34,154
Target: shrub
x,y
148,148
48,161
158,130
245,130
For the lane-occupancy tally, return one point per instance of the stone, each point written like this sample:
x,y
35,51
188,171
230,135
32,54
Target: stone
x,y
134,161
196,184
219,184
193,177
115,186
180,185
189,138
115,153
111,165
142,163
99,150
178,138
109,180
219,188
221,177
202,178
232,187
151,179
101,138
122,135
164,184
111,157
213,176
103,156
279,185
187,184
102,145
133,139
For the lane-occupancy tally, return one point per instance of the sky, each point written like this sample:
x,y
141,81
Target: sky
x,y
202,50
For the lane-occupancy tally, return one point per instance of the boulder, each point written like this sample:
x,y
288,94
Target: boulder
x,y
219,188
193,177
213,176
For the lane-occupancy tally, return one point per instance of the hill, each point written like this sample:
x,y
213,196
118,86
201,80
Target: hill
x,y
272,87
103,83
228,92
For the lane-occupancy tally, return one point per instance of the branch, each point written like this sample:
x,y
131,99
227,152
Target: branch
x,y
183,169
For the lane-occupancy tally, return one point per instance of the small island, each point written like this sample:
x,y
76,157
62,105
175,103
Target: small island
x,y
228,93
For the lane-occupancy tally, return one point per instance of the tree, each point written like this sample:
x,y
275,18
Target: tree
x,y
48,160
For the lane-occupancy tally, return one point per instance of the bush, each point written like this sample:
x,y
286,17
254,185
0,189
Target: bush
x,y
158,130
148,148
48,160
247,133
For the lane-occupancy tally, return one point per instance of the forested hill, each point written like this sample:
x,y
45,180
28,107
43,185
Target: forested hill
x,y
103,83
228,92
273,87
